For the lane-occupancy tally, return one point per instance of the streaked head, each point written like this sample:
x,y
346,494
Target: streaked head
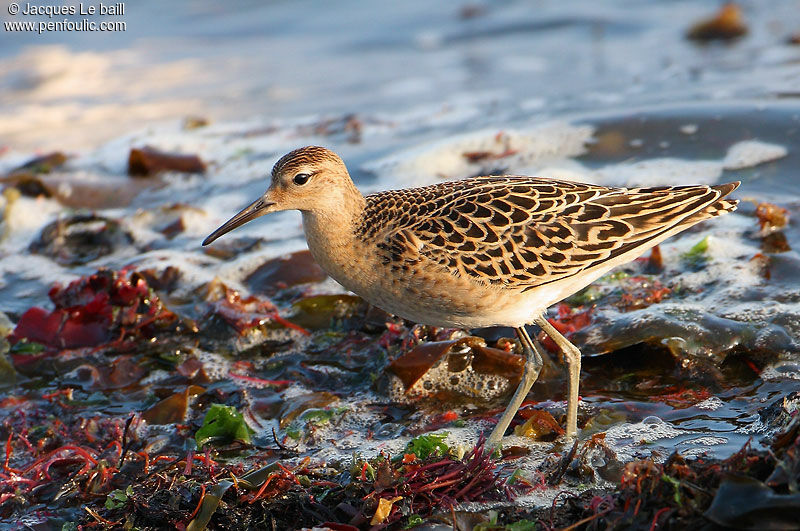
x,y
308,179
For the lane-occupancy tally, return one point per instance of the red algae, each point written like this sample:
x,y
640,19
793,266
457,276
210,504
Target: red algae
x,y
568,322
243,313
104,307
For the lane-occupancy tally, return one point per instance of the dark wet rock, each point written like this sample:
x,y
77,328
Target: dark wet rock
x,y
231,247
327,311
780,413
783,269
147,161
471,10
745,503
266,403
80,239
173,229
284,272
727,24
686,331
28,185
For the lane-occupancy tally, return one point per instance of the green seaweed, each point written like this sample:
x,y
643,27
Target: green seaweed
x,y
118,498
521,525
425,445
321,416
676,485
413,521
27,347
492,525
698,255
312,418
222,424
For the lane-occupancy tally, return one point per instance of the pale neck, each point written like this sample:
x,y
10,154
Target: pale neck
x,y
334,223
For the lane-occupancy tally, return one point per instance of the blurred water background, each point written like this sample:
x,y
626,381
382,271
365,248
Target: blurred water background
x,y
493,61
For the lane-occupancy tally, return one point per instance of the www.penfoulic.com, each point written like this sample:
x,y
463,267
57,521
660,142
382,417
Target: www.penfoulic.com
x,y
43,25
63,25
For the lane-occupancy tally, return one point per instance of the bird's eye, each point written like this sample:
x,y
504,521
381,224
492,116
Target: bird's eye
x,y
301,178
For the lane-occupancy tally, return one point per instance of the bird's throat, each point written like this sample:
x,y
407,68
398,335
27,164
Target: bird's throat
x,y
331,238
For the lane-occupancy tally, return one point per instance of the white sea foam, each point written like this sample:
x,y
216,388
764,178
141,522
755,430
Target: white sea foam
x,y
711,403
628,439
749,153
660,172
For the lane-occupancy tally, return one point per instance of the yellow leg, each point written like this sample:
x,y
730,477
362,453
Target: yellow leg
x,y
533,364
573,357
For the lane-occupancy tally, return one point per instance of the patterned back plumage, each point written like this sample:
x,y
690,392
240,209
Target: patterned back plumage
x,y
522,232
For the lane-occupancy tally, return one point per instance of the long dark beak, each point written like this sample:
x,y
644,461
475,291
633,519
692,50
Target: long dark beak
x,y
254,210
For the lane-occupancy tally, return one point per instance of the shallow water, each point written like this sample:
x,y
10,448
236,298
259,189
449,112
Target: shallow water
x,y
467,64
687,373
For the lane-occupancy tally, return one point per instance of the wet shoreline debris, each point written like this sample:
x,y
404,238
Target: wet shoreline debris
x,y
188,459
139,400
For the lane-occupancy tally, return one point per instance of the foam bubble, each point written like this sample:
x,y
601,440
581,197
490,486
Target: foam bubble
x,y
626,439
749,153
707,440
711,403
782,371
660,172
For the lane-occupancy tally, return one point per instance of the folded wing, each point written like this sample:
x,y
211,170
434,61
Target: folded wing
x,y
523,232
